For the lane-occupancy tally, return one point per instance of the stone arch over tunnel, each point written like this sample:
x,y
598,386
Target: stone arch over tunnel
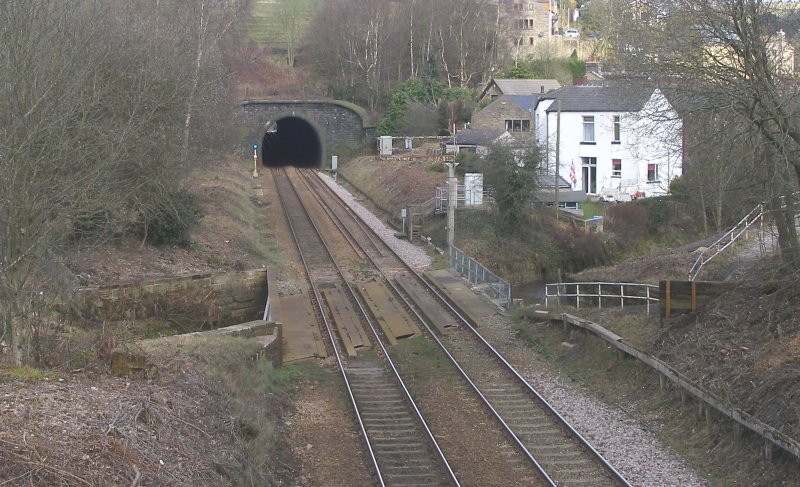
x,y
291,141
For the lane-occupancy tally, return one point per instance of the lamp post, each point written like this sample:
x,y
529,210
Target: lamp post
x,y
255,160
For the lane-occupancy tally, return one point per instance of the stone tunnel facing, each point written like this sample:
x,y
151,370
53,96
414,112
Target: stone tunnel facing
x,y
294,142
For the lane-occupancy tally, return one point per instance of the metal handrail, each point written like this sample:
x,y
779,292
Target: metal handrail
x,y
755,216
477,274
595,290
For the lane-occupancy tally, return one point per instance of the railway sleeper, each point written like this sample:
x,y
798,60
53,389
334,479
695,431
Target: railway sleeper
x,y
383,414
395,432
425,461
387,420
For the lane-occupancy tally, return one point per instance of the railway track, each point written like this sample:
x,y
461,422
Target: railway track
x,y
401,447
560,454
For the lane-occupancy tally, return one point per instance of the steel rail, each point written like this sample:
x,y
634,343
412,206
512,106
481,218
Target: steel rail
x,y
418,414
329,329
402,296
497,355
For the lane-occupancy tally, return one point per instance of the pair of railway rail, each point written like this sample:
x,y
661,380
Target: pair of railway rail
x,y
403,449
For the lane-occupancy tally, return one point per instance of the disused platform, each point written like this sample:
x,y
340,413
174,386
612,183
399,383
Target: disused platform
x,y
301,334
468,302
301,337
392,318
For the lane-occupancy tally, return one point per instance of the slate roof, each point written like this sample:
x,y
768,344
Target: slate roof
x,y
546,190
526,86
549,180
599,98
522,101
522,86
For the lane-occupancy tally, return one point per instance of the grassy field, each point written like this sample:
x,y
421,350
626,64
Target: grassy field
x,y
270,19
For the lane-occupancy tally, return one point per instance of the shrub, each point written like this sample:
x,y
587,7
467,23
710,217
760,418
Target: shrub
x,y
659,214
629,221
170,222
588,251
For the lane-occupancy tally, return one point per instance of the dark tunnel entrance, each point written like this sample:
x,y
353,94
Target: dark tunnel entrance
x,y
294,143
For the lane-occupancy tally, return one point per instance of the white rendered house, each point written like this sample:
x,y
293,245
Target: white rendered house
x,y
616,143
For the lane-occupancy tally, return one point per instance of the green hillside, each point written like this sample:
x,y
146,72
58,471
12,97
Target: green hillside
x,y
271,20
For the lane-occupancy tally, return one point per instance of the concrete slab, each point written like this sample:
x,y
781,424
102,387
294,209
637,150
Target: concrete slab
x,y
433,311
301,334
393,319
457,290
345,319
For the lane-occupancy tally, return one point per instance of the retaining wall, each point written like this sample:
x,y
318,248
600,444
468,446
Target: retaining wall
x,y
211,299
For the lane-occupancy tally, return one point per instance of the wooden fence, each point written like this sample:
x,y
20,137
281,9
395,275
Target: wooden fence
x,y
681,297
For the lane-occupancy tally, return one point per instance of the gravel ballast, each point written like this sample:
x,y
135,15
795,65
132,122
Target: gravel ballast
x,y
633,450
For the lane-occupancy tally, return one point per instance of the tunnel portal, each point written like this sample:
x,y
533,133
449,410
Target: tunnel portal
x,y
293,142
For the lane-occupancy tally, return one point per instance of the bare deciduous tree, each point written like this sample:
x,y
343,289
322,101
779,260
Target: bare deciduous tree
x,y
93,99
366,48
725,55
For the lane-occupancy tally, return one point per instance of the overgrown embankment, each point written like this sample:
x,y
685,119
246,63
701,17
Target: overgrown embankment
x,y
205,414
393,184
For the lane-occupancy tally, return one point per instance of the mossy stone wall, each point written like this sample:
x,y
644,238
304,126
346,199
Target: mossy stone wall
x,y
213,299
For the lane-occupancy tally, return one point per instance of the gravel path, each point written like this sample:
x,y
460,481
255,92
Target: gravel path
x,y
413,255
634,451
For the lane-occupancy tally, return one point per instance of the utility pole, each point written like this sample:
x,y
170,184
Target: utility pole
x,y
451,201
558,152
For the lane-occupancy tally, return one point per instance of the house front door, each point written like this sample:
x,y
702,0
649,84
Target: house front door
x,y
589,173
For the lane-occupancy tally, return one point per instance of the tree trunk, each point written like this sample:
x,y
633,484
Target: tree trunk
x,y
705,214
15,340
195,81
14,329
784,212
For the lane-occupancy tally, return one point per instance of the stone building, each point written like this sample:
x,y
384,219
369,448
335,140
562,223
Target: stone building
x,y
527,23
510,113
525,87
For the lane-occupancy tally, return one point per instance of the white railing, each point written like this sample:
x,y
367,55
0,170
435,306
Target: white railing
x,y
615,293
725,241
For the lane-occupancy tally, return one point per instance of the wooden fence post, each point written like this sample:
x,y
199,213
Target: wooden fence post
x,y
666,300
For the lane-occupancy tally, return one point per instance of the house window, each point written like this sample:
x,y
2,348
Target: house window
x,y
616,168
588,129
617,128
652,173
518,125
530,41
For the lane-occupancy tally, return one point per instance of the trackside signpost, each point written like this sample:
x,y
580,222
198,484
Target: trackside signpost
x,y
255,160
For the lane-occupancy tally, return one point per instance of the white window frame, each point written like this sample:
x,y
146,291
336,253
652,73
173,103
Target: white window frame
x,y
588,129
616,173
617,128
652,177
